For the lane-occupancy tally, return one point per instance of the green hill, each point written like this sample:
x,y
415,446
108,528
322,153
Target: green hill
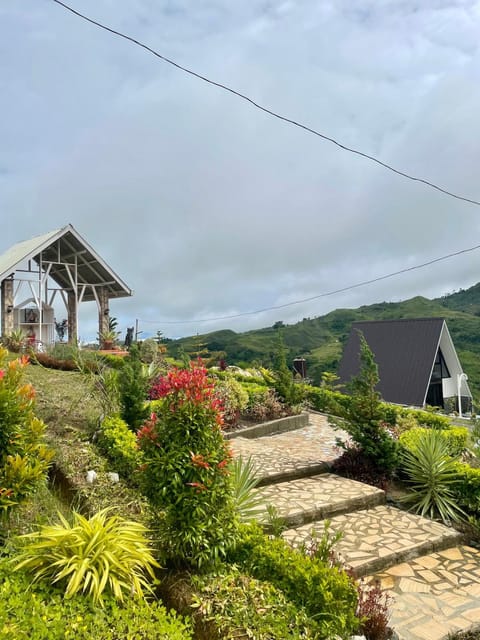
x,y
320,340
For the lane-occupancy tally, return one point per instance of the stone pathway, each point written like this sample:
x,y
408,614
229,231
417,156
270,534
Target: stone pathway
x,y
435,594
380,536
317,497
293,454
435,581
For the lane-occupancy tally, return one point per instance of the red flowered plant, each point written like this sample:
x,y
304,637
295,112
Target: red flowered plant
x,y
24,458
147,432
186,474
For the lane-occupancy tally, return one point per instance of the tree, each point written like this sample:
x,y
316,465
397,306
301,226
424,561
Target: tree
x,y
284,384
363,415
133,390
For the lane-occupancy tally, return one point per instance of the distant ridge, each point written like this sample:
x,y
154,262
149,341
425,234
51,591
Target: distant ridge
x,y
320,340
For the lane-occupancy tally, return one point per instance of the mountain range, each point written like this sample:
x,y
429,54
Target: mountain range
x,y
320,340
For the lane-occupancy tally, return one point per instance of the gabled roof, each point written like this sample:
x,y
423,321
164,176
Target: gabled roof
x,y
404,351
63,246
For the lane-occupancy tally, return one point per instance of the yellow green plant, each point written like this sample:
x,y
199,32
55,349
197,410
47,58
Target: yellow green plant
x,y
95,555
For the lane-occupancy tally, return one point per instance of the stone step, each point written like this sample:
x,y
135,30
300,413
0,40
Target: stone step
x,y
378,538
322,496
435,594
296,454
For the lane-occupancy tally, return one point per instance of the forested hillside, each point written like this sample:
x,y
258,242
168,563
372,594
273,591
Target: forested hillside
x,y
320,340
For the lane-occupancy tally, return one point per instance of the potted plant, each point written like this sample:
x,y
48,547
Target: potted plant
x,y
15,341
108,339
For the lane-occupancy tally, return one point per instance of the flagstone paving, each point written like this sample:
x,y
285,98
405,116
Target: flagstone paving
x,y
434,594
322,496
435,581
293,454
380,537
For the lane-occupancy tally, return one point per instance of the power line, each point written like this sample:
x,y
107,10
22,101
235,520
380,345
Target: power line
x,y
320,295
266,109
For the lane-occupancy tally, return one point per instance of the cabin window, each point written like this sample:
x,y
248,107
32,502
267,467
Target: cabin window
x,y
440,369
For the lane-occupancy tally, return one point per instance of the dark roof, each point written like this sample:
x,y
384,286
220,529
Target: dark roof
x,y
404,351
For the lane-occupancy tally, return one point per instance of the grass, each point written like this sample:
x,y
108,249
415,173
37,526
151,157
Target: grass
x,y
41,508
64,400
66,403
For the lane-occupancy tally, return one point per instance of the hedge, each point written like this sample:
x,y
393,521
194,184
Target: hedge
x,y
332,402
40,612
455,437
326,593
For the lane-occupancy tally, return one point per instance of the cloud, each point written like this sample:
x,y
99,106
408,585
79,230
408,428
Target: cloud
x,y
207,207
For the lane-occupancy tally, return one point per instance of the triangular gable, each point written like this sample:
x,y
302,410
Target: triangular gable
x,y
54,247
404,351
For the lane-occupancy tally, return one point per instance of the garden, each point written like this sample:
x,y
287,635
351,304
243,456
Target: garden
x,y
125,515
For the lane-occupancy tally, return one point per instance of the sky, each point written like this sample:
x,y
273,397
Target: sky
x,y
207,207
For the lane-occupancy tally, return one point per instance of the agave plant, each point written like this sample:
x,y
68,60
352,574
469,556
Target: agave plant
x,y
249,503
102,553
15,341
431,473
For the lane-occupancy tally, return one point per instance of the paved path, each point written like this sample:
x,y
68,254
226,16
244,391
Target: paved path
x,y
322,496
380,536
435,581
294,453
435,594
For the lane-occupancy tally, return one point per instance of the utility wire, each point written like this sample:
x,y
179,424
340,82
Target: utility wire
x,y
320,295
265,109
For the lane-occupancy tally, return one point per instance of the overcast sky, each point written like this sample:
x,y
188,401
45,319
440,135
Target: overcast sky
x,y
207,207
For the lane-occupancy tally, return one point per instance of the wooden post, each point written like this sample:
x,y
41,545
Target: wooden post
x,y
103,312
7,307
72,309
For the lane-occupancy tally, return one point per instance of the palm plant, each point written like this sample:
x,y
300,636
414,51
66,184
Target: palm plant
x,y
432,474
249,503
102,553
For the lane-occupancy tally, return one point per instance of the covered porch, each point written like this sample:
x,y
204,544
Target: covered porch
x,y
60,265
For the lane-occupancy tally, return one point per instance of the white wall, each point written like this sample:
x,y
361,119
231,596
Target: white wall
x,y
449,385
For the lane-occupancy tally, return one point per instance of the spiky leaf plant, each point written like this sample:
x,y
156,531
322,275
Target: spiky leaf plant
x,y
432,474
248,502
92,555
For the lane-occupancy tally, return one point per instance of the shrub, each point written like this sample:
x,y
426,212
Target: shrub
x,y
91,556
456,439
119,444
467,488
432,475
40,612
327,593
185,471
334,402
24,458
285,386
427,418
133,390
322,399
405,423
242,607
149,351
233,398
353,463
373,611
112,360
265,405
